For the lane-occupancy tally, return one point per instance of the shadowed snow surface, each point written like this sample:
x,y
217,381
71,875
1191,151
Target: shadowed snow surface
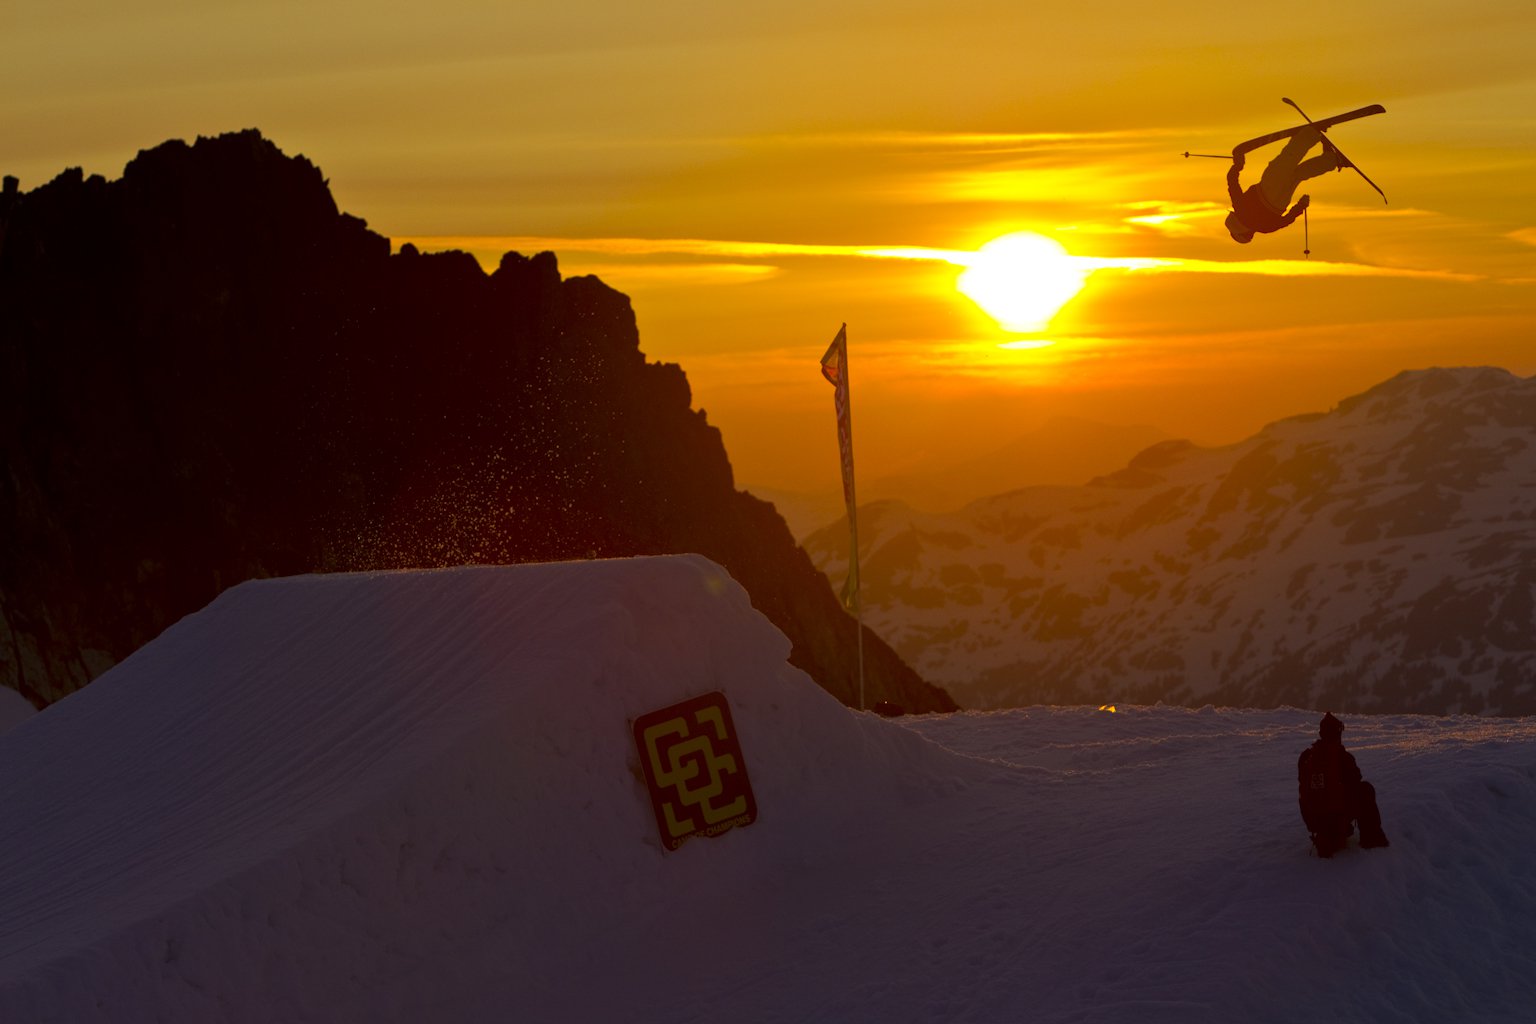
x,y
14,708
415,796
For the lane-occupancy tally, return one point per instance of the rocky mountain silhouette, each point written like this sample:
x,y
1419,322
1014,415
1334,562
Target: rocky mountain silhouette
x,y
209,373
1380,557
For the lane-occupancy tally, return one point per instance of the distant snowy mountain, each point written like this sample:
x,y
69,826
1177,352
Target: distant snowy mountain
x,y
1379,557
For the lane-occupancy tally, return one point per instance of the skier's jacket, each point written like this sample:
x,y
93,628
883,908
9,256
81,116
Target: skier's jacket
x,y
1254,210
1327,779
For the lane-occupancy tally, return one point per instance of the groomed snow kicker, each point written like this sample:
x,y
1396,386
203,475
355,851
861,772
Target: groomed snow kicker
x,y
403,795
14,709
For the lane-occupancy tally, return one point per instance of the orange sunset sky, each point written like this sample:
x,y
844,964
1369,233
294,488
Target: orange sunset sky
x,y
754,175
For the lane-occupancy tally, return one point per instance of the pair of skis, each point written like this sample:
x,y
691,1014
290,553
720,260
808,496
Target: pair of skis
x,y
1321,126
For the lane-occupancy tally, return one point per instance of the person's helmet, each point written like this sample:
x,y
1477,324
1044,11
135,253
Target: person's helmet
x,y
1330,726
1239,231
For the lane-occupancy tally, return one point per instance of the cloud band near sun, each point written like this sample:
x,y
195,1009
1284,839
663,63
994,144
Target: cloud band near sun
x,y
720,249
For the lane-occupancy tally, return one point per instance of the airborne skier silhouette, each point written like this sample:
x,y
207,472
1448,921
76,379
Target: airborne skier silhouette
x,y
1265,206
1261,207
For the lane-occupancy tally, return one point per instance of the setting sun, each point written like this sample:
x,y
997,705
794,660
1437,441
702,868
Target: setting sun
x,y
1021,280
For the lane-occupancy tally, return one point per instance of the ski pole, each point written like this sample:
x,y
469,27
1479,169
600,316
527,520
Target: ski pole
x,y
1292,103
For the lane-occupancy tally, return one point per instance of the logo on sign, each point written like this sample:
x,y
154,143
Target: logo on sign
x,y
692,762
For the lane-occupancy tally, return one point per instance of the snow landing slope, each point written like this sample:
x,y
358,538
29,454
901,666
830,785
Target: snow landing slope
x,y
359,797
14,709
413,797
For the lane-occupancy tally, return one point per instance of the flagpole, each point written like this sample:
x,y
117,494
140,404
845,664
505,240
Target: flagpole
x,y
858,607
858,579
834,367
853,526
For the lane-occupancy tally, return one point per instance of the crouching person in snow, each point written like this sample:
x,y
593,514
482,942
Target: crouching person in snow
x,y
1333,795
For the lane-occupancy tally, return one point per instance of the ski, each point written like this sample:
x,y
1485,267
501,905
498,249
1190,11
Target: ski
x,y
1322,126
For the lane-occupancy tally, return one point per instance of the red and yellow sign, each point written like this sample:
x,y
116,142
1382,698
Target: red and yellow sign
x,y
692,763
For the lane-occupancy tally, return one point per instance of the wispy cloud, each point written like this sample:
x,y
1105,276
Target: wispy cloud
x,y
665,247
1169,218
1177,219
1275,268
996,142
723,249
681,273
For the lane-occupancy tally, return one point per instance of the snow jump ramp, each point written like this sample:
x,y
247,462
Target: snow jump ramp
x,y
408,796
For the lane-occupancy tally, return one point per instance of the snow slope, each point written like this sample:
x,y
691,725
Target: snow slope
x,y
414,797
14,708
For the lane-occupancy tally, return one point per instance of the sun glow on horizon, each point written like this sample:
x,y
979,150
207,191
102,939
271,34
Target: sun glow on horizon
x,y
1022,280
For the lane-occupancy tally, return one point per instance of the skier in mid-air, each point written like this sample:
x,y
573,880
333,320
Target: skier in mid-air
x,y
1261,207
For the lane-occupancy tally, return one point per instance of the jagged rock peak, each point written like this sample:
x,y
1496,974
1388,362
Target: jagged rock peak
x,y
247,383
240,154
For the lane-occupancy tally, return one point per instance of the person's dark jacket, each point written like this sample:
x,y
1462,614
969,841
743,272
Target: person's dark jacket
x,y
1251,208
1327,781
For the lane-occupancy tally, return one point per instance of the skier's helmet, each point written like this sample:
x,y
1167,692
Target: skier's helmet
x,y
1239,231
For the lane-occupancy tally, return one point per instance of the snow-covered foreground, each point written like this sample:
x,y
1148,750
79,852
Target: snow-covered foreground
x,y
416,797
14,709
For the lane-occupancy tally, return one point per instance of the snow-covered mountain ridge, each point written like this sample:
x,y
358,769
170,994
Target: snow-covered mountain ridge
x,y
1378,557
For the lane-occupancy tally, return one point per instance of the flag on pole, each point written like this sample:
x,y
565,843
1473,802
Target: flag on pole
x,y
834,367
